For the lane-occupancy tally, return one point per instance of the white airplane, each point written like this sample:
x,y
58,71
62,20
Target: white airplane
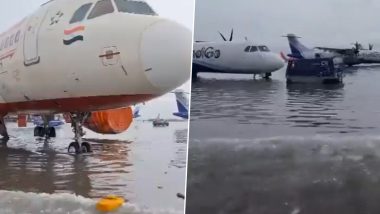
x,y
92,59
240,57
348,56
368,56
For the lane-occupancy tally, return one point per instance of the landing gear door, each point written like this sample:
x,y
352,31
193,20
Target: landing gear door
x,y
31,55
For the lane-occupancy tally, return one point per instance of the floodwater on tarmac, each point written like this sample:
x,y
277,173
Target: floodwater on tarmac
x,y
145,165
260,146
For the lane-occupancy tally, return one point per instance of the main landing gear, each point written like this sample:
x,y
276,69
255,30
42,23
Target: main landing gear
x,y
264,76
78,146
45,131
3,130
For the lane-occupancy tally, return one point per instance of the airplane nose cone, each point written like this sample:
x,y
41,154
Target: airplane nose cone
x,y
277,62
166,54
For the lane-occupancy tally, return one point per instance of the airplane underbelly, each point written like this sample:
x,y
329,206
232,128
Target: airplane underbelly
x,y
37,90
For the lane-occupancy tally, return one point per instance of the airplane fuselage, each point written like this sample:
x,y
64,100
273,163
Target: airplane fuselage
x,y
369,56
113,60
234,57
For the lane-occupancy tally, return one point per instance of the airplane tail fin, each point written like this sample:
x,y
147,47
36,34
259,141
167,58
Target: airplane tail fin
x,y
297,48
182,101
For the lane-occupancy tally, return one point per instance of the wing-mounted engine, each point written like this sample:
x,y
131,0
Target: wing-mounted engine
x,y
112,121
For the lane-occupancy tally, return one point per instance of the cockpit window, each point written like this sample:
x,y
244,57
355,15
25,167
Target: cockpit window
x,y
80,14
102,7
264,48
254,49
247,49
136,7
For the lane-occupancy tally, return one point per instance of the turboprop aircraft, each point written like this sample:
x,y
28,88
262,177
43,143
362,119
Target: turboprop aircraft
x,y
236,57
91,59
349,56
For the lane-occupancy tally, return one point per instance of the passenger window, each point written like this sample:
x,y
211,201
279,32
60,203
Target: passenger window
x,y
247,49
80,14
6,42
264,48
102,7
254,49
136,7
11,40
17,38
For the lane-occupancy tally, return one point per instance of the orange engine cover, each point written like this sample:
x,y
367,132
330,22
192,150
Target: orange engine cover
x,y
113,121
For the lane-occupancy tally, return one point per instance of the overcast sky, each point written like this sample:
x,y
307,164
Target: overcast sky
x,y
319,22
182,11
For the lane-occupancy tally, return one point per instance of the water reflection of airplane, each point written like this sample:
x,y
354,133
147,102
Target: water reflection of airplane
x,y
314,105
92,59
51,172
180,159
40,172
235,57
223,98
350,56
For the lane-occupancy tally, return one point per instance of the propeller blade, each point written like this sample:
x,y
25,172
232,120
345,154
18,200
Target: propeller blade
x,y
232,34
224,38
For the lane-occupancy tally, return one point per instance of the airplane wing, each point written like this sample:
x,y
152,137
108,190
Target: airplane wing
x,y
337,50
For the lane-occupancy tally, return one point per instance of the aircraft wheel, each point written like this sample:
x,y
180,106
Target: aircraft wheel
x,y
267,75
39,131
73,148
51,132
86,147
36,131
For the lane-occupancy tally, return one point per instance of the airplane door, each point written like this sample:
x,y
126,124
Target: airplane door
x,y
31,55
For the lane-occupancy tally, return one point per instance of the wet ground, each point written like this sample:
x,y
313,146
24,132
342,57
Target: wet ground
x,y
145,165
260,146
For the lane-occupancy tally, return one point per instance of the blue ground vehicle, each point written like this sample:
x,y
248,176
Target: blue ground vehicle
x,y
318,70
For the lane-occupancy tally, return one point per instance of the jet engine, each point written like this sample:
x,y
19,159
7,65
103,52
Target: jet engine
x,y
113,121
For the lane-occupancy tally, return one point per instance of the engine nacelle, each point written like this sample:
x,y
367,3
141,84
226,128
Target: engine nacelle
x,y
113,121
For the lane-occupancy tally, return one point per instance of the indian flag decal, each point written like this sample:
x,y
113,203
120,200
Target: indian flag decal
x,y
74,34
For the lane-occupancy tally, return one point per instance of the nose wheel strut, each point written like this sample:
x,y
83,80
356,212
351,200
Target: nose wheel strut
x,y
78,146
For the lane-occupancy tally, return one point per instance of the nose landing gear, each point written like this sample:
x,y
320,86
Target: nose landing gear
x,y
78,146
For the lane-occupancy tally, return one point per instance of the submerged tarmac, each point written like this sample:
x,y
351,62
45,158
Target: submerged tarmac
x,y
275,148
145,165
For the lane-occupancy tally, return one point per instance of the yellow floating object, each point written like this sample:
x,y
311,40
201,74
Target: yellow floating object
x,y
109,203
